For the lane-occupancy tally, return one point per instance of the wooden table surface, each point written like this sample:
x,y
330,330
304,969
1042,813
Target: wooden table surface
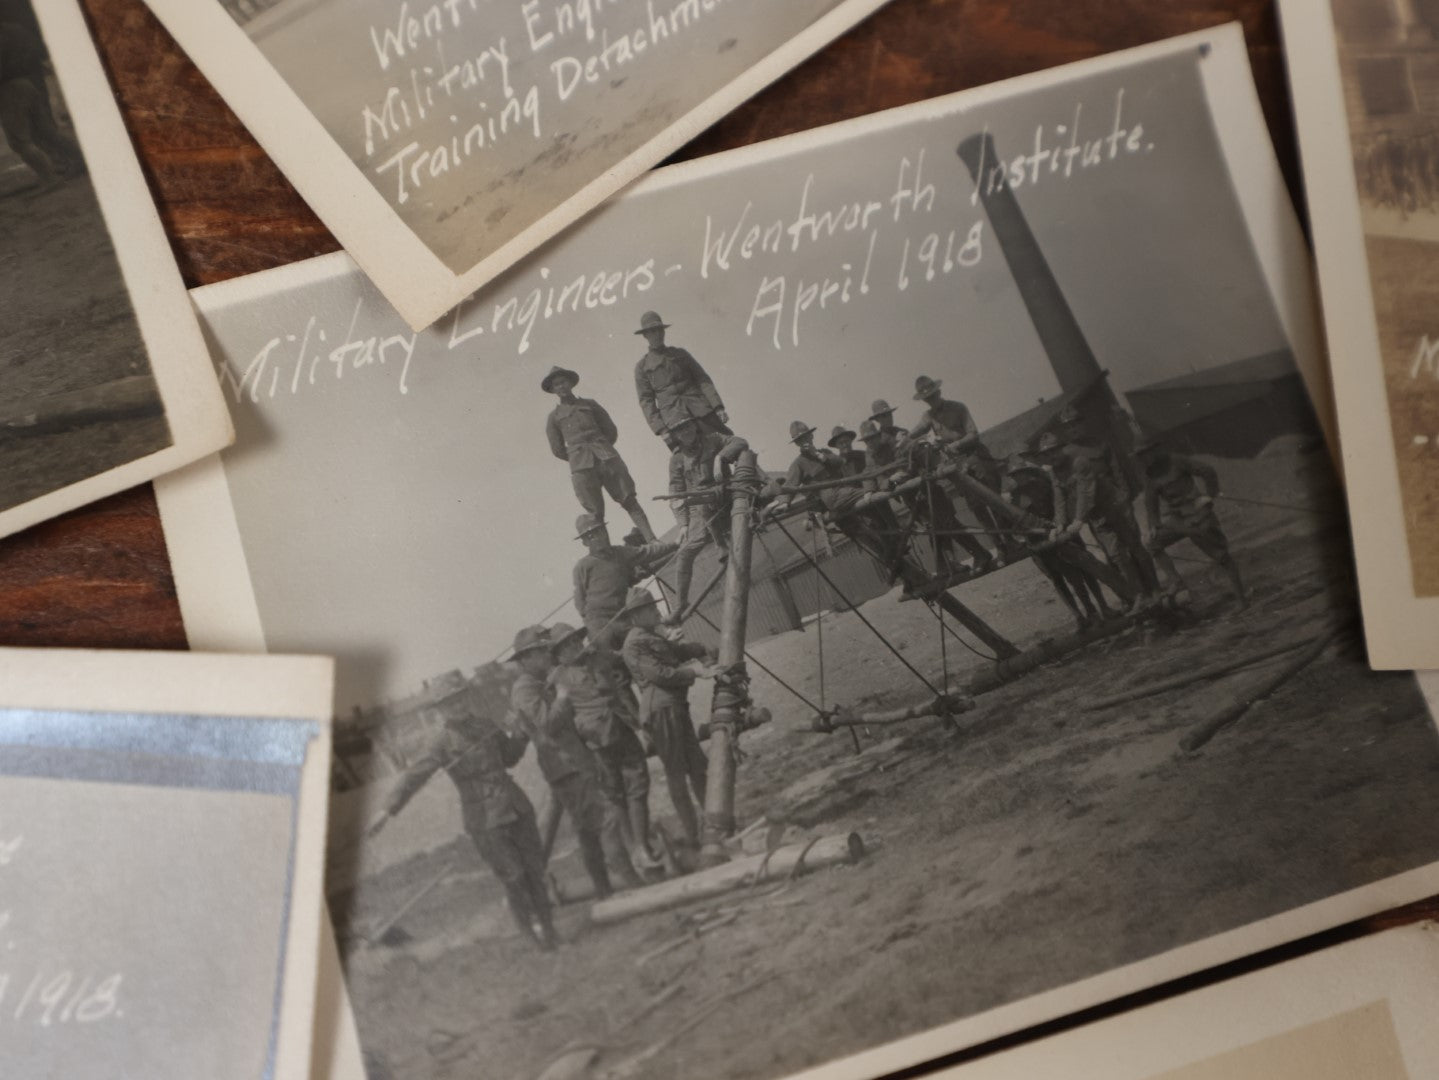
x,y
100,577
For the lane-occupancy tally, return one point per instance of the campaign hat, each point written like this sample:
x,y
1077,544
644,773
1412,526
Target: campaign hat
x,y
562,633
651,320
1047,442
798,429
586,524
839,432
924,386
879,407
555,373
870,429
531,638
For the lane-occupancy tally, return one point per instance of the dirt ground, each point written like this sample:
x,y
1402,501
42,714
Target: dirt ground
x,y
1402,273
1043,843
68,326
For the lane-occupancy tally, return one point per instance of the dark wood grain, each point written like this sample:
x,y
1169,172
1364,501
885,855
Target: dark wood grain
x,y
100,576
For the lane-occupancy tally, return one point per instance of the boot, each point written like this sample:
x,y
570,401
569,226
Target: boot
x,y
641,520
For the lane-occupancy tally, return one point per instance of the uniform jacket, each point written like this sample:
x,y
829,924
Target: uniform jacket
x,y
692,471
814,466
596,697
537,713
1090,492
582,433
654,662
602,581
477,758
853,461
671,385
951,421
1170,494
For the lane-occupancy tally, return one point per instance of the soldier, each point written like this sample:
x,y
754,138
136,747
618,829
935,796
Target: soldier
x,y
952,425
1034,489
581,432
664,670
1175,509
606,719
1092,498
692,469
841,441
497,816
672,386
930,506
865,517
26,117
882,413
604,576
565,762
1123,543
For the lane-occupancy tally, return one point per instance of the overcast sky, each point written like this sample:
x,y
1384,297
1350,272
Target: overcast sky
x,y
414,532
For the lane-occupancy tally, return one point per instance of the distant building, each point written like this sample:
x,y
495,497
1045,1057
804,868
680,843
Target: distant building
x,y
1233,410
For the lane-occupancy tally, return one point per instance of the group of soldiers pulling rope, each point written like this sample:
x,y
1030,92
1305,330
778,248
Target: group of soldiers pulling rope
x,y
597,698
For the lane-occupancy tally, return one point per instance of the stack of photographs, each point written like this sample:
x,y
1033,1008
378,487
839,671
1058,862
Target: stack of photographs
x,y
808,611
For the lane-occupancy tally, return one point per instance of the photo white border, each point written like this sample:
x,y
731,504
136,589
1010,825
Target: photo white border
x,y
286,687
219,609
179,360
409,275
1398,967
1400,628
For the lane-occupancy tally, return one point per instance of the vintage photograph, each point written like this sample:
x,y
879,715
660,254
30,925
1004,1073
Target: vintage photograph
x,y
480,130
856,592
81,394
1358,1011
1365,75
168,914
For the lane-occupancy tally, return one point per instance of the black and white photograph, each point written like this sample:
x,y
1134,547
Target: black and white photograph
x,y
82,396
444,140
162,821
911,551
1365,75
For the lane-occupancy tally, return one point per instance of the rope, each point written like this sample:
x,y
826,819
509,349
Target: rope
x,y
750,657
872,628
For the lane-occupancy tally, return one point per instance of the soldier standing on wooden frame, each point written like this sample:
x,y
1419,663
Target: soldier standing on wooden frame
x,y
581,432
672,386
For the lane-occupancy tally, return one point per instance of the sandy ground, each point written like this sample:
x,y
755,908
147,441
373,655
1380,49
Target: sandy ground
x,y
1043,843
1403,274
68,326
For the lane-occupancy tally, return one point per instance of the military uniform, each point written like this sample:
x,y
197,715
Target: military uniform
x,y
951,422
1171,502
655,664
582,433
26,117
477,754
930,505
672,387
1094,497
1036,491
602,705
568,767
873,528
601,582
695,469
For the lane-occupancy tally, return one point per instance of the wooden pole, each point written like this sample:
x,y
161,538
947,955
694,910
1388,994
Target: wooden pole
x,y
1202,675
1212,727
731,687
750,870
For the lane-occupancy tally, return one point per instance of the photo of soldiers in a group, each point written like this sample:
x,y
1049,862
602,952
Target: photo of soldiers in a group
x,y
1103,512
722,708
